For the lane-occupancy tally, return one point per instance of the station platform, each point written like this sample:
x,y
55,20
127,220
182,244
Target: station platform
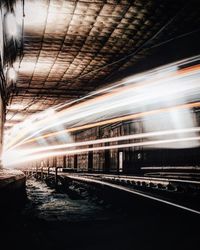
x,y
12,188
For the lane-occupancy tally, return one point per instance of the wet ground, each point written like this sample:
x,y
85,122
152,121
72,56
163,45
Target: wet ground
x,y
55,220
49,205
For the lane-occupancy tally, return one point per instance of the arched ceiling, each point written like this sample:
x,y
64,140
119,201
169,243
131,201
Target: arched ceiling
x,y
71,47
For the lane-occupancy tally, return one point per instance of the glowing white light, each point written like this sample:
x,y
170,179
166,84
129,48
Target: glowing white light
x,y
159,93
12,74
28,124
36,13
112,139
11,25
27,67
132,100
15,106
16,116
8,161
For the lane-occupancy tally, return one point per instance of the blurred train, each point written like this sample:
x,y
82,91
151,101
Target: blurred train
x,y
169,144
134,160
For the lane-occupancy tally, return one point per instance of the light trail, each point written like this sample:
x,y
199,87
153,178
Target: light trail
x,y
98,98
79,105
105,140
137,77
122,102
10,162
109,121
25,152
104,106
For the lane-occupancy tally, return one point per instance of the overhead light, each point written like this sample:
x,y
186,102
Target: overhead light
x,y
11,25
15,106
12,74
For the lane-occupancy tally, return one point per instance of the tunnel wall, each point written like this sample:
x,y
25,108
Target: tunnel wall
x,y
1,124
2,81
2,115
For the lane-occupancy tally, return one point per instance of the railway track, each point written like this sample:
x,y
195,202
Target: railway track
x,y
175,192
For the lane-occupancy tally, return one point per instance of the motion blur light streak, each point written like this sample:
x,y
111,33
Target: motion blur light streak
x,y
170,91
149,96
8,161
24,127
110,121
150,91
33,150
